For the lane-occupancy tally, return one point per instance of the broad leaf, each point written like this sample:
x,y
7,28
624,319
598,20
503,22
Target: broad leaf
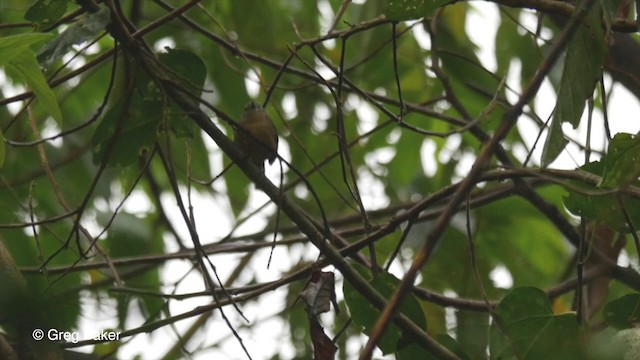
x,y
15,45
366,314
582,68
622,163
191,72
527,328
129,129
401,10
46,11
623,313
320,293
26,65
127,237
596,204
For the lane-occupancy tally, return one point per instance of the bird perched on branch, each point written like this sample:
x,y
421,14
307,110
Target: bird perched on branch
x,y
257,136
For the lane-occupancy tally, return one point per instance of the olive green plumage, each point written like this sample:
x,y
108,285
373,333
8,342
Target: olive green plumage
x,y
257,136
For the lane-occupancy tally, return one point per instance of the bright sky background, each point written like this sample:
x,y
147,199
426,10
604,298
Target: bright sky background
x,y
266,338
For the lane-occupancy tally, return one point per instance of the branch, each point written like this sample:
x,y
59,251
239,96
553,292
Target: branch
x,y
565,9
483,158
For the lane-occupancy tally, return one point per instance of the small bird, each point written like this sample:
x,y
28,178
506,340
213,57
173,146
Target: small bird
x,y
257,136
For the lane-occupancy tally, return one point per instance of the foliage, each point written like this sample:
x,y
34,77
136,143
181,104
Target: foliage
x,y
410,195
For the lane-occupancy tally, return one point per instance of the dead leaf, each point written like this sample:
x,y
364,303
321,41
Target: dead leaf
x,y
320,293
323,347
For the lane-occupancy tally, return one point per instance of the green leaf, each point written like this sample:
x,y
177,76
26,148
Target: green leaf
x,y
238,188
587,201
451,344
26,65
200,168
129,129
128,237
192,72
555,142
399,173
186,65
623,313
510,45
366,314
81,31
59,300
528,329
622,163
582,69
3,149
533,265
46,11
401,10
15,45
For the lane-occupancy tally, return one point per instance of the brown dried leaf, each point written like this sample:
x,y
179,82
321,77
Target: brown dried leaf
x,y
320,292
323,347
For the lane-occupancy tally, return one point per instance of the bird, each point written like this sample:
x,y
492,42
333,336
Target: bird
x,y
257,136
